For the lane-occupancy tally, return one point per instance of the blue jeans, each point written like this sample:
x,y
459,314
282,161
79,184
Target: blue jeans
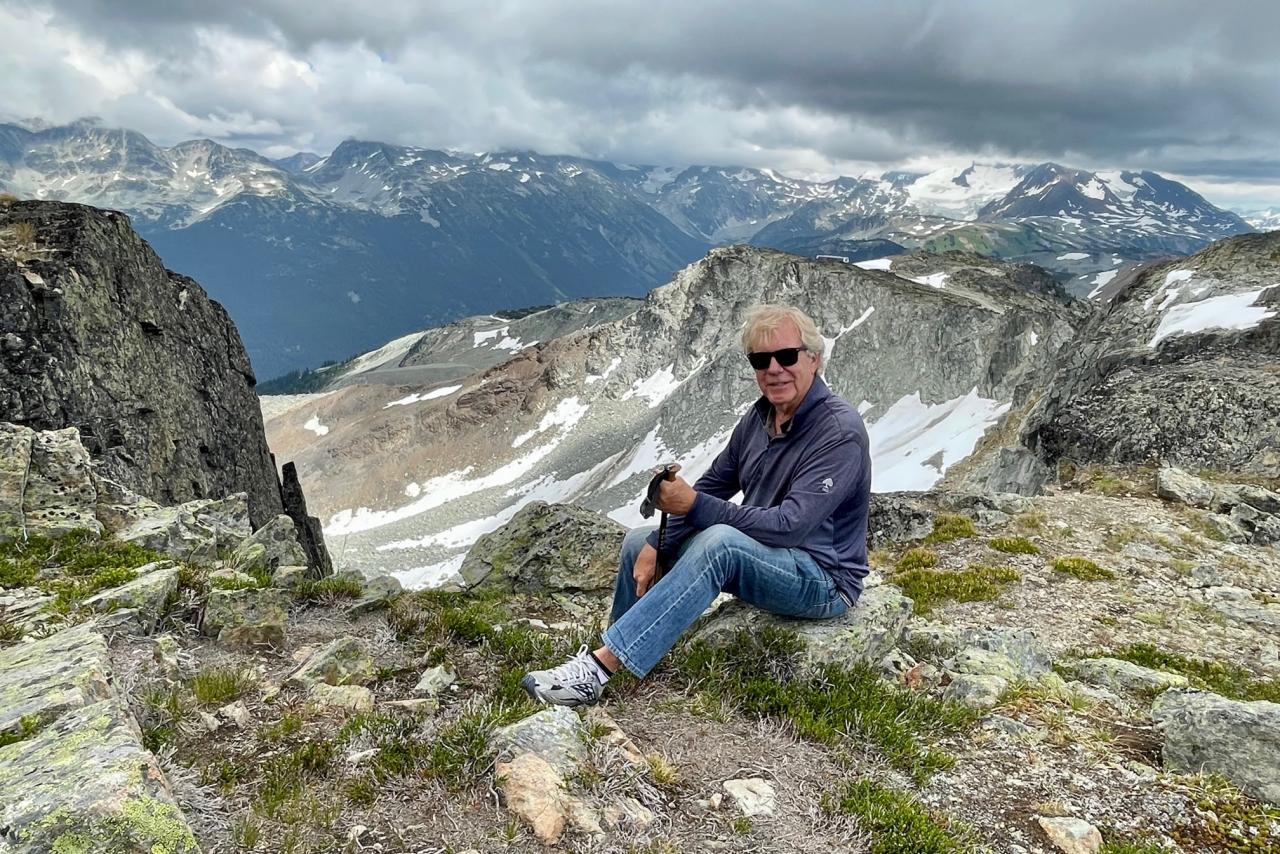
x,y
720,558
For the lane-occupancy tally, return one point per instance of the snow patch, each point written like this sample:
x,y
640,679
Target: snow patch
x,y
434,575
386,353
567,413
1101,281
1230,311
594,378
480,338
1074,256
934,280
315,426
655,388
416,397
875,264
914,443
513,344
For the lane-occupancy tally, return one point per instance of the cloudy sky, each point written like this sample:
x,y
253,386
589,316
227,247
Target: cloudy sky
x,y
1188,88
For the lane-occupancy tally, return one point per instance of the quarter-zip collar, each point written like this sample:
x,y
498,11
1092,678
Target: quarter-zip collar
x,y
817,393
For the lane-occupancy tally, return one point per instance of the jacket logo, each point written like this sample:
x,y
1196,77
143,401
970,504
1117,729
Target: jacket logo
x,y
827,483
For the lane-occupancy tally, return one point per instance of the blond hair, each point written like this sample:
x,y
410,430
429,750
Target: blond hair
x,y
763,320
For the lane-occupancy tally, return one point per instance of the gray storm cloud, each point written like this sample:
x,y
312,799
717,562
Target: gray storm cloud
x,y
1184,87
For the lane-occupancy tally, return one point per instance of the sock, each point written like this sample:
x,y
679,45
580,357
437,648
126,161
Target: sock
x,y
602,673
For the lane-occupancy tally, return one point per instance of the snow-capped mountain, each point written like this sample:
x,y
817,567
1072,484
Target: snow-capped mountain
x,y
317,258
1263,219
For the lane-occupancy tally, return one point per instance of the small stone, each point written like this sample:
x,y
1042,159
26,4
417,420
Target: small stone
x,y
921,677
210,722
237,713
977,661
583,818
359,757
425,704
974,691
629,812
342,662
434,680
555,734
289,576
357,698
753,795
534,791
613,735
1071,835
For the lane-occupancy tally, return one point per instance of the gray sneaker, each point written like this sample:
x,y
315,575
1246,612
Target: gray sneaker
x,y
573,683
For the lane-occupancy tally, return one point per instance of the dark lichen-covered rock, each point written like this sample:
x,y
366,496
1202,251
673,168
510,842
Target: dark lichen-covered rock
x,y
84,784
245,619
864,633
310,535
151,371
547,547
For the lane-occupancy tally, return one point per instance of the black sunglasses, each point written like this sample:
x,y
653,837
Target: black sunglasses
x,y
786,357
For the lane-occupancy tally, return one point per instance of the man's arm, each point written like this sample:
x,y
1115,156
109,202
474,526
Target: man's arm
x,y
720,480
822,481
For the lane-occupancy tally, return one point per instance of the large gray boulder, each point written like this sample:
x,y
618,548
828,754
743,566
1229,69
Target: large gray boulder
x,y
273,545
556,734
86,783
60,495
153,373
864,633
200,531
547,547
1239,740
147,596
74,775
15,462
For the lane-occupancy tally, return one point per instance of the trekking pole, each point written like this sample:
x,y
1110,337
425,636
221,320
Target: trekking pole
x,y
650,503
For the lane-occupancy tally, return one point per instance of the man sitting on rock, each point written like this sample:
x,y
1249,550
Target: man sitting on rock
x,y
797,544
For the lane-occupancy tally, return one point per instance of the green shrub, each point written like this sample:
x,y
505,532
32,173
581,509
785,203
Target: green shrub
x,y
918,558
948,527
759,673
1082,568
214,686
1221,677
1014,545
896,823
929,588
327,591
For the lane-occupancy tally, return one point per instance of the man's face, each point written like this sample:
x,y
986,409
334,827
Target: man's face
x,y
783,387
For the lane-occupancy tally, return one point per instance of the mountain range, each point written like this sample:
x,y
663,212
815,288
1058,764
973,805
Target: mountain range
x,y
317,258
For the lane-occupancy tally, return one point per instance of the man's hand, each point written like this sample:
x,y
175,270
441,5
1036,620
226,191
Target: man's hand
x,y
675,495
645,570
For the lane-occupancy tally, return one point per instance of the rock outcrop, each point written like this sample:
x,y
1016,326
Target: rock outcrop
x,y
1180,367
101,337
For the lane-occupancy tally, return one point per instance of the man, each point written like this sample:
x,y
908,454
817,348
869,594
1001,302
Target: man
x,y
797,544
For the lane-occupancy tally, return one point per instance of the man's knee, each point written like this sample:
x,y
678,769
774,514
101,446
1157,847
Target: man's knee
x,y
718,538
632,543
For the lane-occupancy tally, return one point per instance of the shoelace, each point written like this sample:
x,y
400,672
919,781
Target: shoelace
x,y
577,669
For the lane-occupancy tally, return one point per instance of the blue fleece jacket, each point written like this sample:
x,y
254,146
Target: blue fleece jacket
x,y
809,488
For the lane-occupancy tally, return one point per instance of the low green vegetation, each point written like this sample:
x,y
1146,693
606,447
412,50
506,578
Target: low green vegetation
x,y
1221,677
759,673
327,591
28,725
1226,820
929,588
1014,545
918,558
71,568
214,686
1131,845
948,527
896,823
1082,568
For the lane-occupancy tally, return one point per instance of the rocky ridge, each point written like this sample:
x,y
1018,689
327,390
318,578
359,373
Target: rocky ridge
x,y
99,336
